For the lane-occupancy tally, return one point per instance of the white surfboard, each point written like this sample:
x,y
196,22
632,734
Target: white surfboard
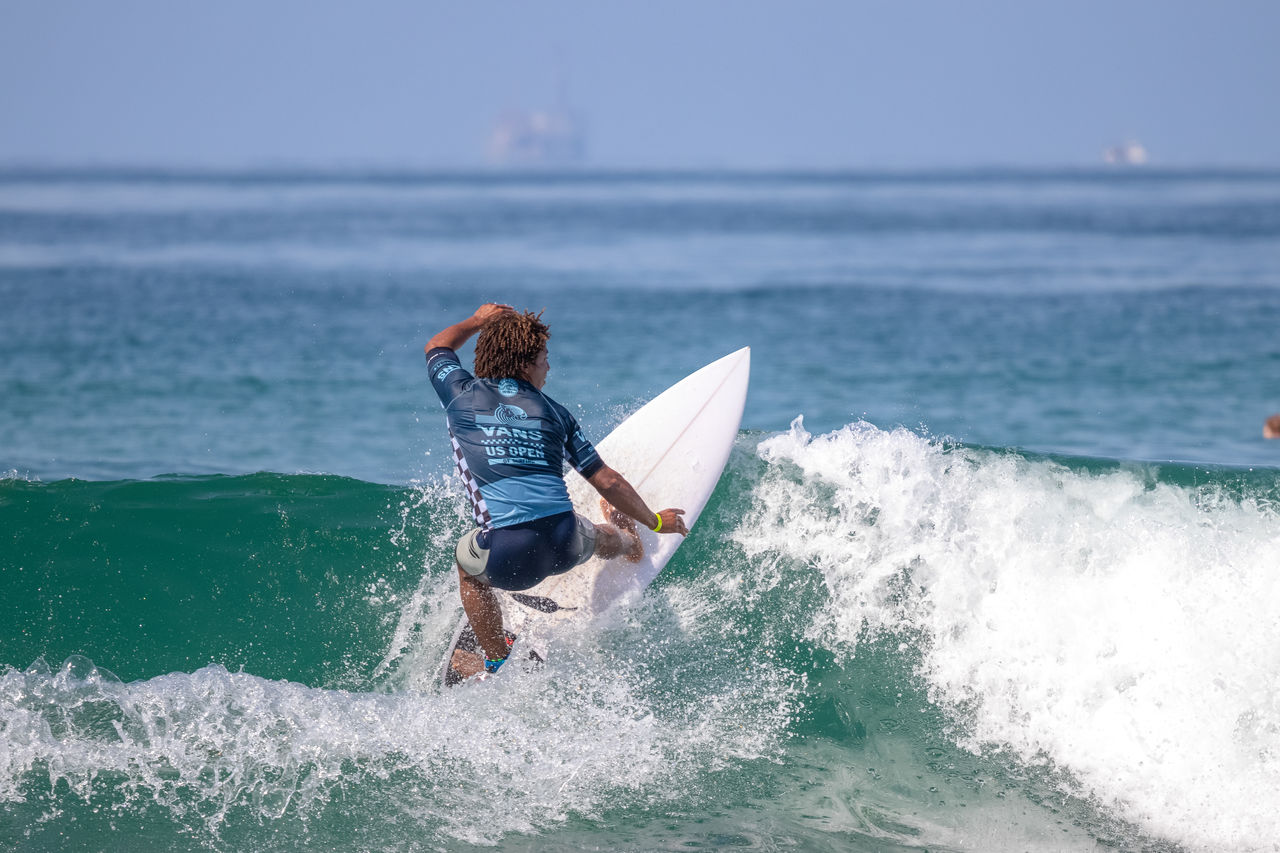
x,y
672,451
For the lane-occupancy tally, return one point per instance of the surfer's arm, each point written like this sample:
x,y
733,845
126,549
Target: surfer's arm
x,y
614,488
459,333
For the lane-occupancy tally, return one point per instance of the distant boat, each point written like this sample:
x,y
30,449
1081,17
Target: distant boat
x,y
537,138
1130,154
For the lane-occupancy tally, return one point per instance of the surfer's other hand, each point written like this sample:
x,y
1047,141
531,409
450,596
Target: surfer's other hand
x,y
672,522
491,310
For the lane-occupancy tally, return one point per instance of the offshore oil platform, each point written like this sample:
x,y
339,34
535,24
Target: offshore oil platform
x,y
554,137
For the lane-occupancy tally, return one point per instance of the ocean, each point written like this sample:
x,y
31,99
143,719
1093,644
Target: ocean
x,y
993,565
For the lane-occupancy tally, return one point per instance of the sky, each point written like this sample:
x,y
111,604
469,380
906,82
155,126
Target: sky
x,y
689,84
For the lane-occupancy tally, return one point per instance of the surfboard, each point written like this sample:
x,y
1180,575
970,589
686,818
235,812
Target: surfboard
x,y
673,451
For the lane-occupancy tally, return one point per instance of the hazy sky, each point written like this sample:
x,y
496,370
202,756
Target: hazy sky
x,y
691,83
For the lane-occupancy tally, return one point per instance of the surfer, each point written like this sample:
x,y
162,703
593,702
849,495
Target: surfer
x,y
510,443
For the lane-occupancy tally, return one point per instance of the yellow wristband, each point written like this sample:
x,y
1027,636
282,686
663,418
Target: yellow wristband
x,y
659,527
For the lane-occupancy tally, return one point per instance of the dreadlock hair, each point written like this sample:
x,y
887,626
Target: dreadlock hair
x,y
510,343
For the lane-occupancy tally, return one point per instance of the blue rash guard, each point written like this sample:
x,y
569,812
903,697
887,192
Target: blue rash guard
x,y
511,443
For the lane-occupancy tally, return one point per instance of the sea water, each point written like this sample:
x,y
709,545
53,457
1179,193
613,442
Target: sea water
x,y
992,566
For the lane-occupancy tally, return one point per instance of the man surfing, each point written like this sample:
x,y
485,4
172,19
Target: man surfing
x,y
511,443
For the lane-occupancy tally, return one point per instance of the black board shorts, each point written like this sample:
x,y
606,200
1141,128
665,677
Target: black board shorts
x,y
523,555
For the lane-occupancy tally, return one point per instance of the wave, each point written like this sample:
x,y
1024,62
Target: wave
x,y
220,753
871,637
289,576
1113,623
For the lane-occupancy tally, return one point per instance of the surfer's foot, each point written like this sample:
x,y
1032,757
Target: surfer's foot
x,y
467,664
632,547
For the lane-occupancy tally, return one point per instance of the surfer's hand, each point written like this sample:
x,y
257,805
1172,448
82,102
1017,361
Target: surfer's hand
x,y
672,522
459,333
489,311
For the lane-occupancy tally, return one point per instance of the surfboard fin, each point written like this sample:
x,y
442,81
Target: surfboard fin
x,y
538,602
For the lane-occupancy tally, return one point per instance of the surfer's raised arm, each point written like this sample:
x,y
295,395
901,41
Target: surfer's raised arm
x,y
459,333
615,489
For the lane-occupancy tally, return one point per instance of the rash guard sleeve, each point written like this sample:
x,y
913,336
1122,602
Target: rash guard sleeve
x,y
581,453
448,376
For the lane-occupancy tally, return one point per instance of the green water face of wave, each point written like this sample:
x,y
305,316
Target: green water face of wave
x,y
810,671
288,577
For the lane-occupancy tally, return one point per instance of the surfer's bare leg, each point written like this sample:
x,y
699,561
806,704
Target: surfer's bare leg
x,y
619,537
484,614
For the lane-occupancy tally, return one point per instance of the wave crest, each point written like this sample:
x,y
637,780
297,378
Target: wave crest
x,y
1104,622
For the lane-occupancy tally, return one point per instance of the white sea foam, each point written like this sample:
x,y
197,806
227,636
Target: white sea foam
x,y
1107,624
526,750
426,616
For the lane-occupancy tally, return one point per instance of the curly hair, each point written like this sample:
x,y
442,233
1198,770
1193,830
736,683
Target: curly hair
x,y
510,343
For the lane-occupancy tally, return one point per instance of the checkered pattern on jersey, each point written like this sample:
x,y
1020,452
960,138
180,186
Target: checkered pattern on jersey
x,y
479,509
